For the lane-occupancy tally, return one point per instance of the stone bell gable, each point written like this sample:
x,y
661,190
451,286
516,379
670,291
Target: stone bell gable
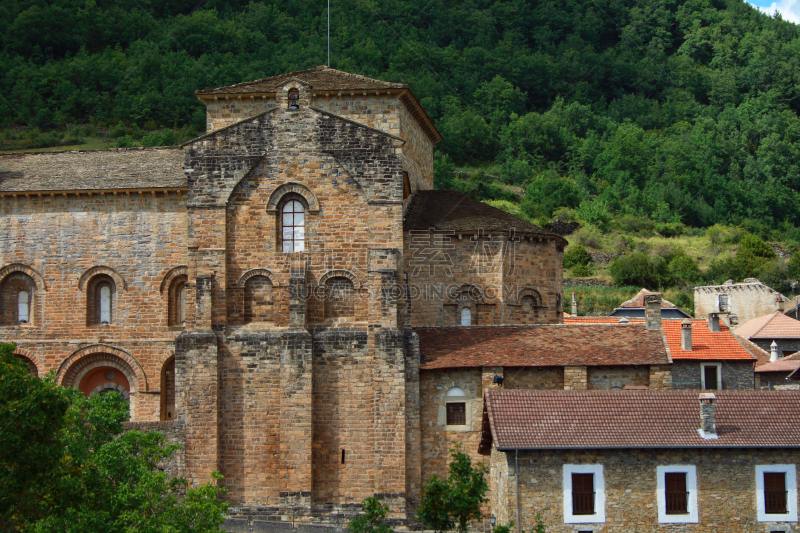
x,y
385,106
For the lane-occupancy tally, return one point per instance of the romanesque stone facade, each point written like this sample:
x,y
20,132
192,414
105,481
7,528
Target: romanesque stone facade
x,y
253,292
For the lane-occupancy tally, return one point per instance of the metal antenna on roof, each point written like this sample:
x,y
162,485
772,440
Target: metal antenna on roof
x,y
329,32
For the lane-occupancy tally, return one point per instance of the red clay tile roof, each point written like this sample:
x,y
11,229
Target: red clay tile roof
x,y
638,301
446,210
773,326
321,78
706,345
601,320
756,351
789,363
553,345
637,419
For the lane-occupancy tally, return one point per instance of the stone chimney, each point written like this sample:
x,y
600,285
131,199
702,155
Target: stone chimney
x,y
686,335
708,415
773,352
652,310
574,305
713,322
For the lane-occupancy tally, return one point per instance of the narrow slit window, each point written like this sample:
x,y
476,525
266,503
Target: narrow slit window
x,y
23,307
182,304
293,223
105,304
342,456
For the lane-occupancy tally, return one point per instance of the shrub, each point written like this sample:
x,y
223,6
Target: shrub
x,y
158,138
595,212
581,271
576,255
793,266
373,520
670,229
641,226
588,235
753,245
126,141
684,269
634,269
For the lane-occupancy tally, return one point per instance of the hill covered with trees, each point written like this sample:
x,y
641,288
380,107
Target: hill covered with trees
x,y
659,114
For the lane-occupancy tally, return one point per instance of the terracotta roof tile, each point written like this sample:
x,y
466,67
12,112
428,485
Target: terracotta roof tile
x,y
553,345
445,210
322,78
789,363
706,345
773,326
638,419
601,320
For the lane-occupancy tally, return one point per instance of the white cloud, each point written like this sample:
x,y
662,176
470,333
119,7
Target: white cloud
x,y
789,9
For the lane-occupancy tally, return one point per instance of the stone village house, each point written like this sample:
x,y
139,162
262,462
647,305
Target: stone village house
x,y
288,297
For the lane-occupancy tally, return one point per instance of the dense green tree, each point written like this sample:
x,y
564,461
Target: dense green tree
x,y
67,466
455,501
683,112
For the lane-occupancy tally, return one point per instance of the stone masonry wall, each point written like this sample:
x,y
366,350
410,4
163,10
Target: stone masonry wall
x,y
437,437
617,377
61,240
725,478
747,301
735,375
383,111
442,267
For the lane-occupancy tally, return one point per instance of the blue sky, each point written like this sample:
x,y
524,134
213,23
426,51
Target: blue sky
x,y
789,9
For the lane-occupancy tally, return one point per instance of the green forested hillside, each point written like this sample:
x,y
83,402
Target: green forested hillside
x,y
681,113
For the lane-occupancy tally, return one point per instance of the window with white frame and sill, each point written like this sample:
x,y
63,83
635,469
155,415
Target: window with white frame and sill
x,y
677,494
456,407
776,493
584,494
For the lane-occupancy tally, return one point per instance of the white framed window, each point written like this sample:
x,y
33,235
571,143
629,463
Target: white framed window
x,y
456,407
677,494
776,493
584,494
711,376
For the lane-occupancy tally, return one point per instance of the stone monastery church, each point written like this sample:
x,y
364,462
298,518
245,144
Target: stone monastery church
x,y
251,285
288,298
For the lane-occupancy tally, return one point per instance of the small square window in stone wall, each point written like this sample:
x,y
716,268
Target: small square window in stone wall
x,y
456,414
